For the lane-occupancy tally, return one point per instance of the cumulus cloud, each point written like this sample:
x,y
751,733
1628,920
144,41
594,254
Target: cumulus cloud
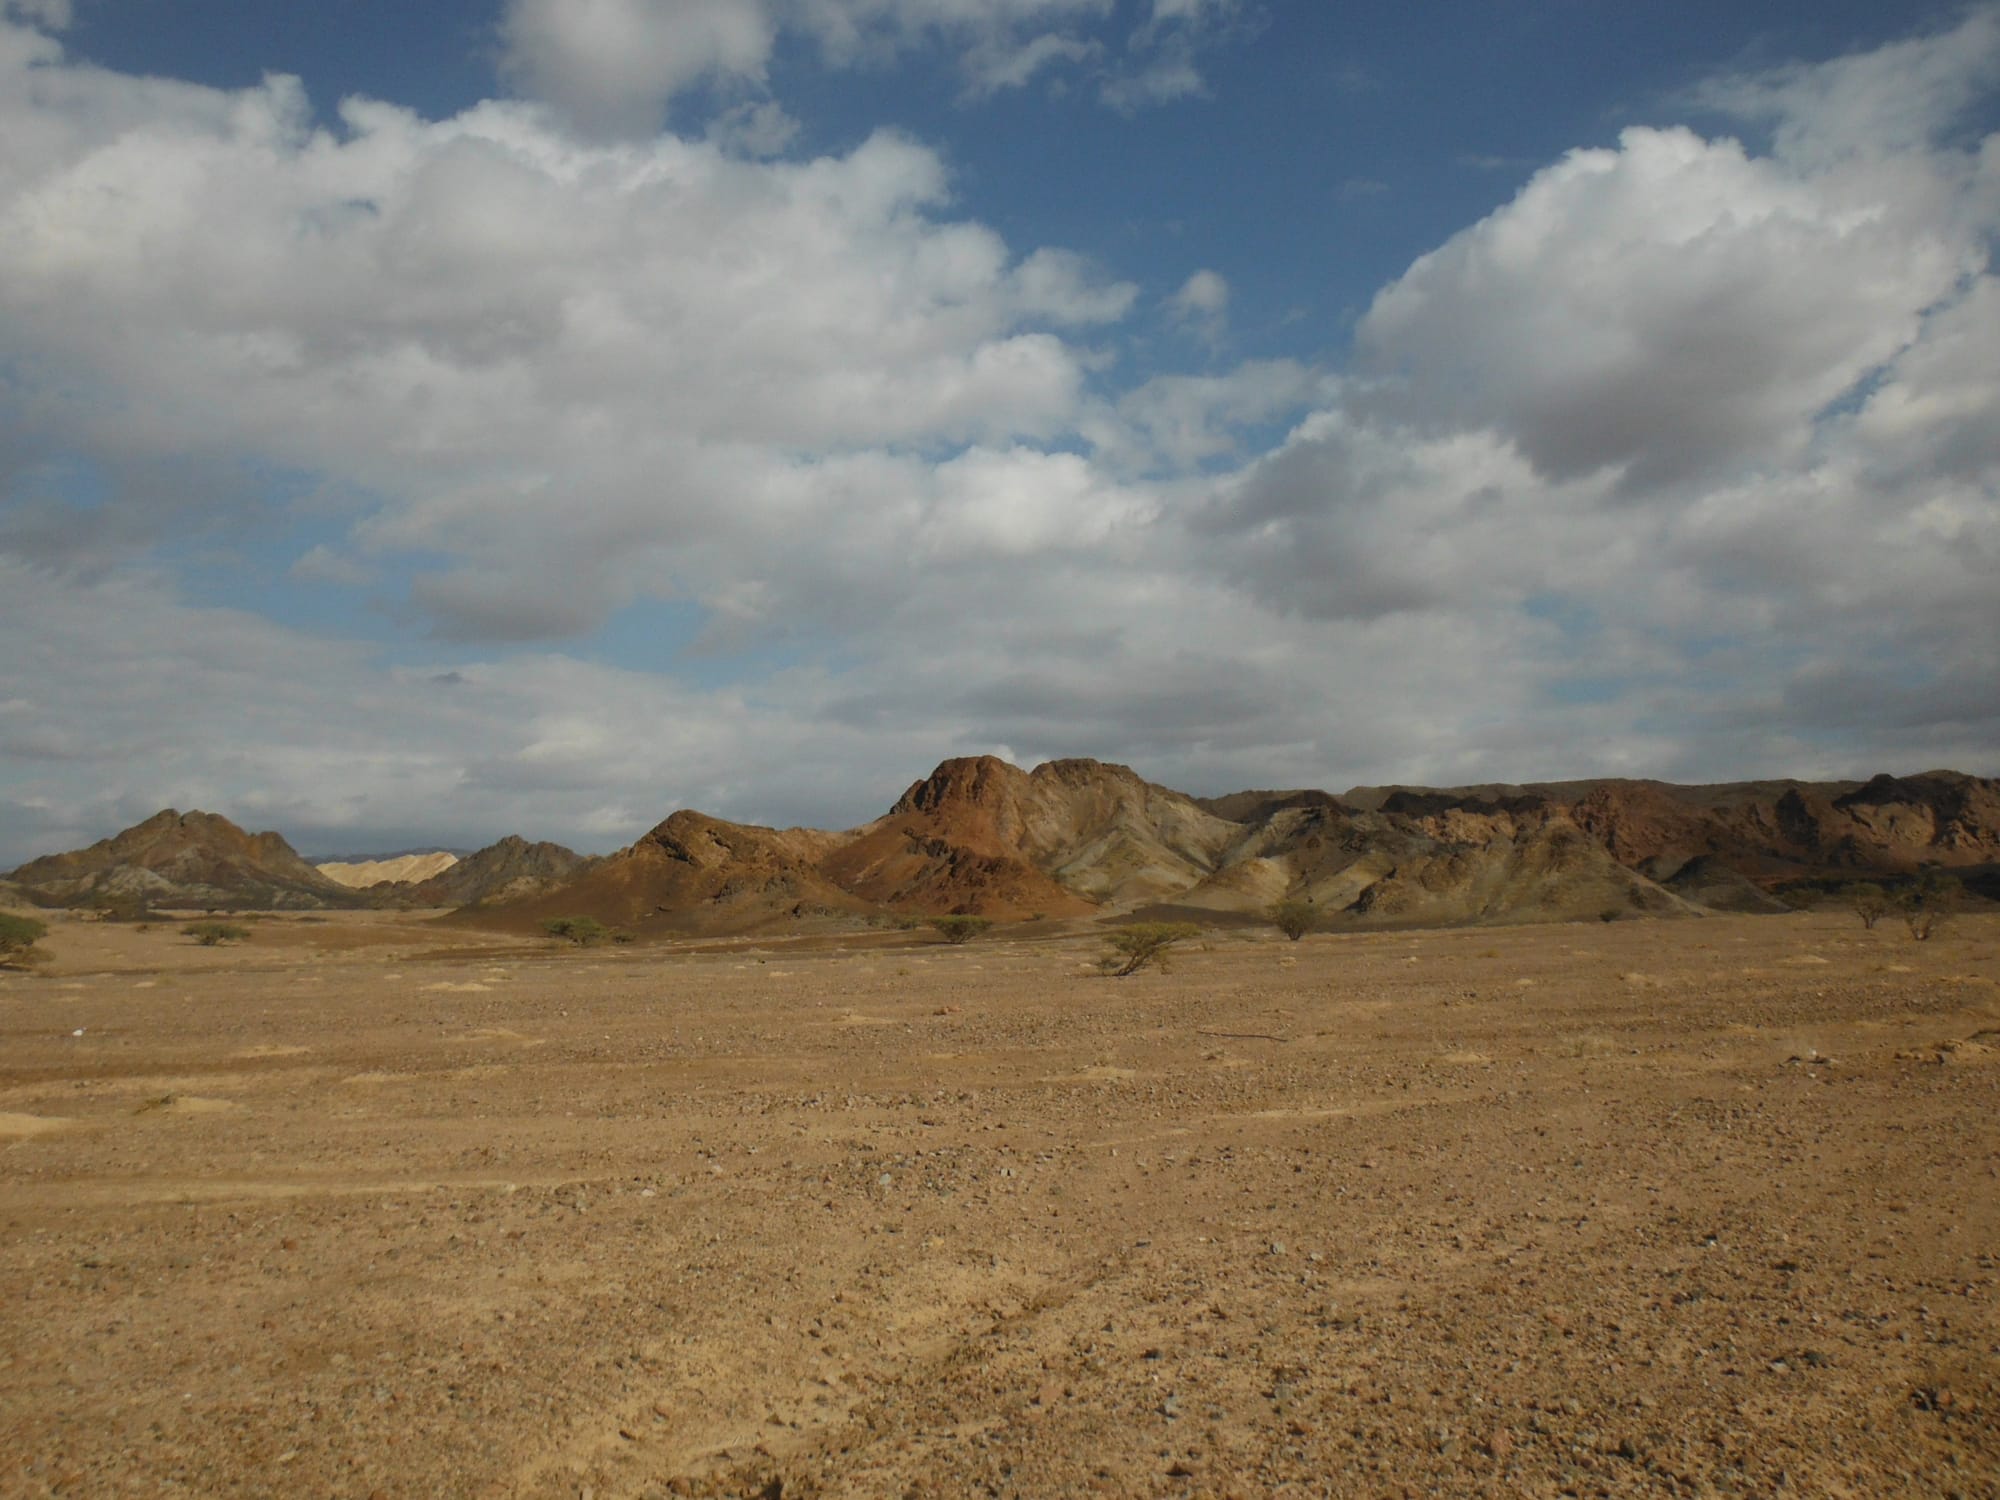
x,y
1666,308
1672,462
612,65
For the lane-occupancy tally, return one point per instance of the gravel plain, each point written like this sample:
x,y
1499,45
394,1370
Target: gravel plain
x,y
363,1207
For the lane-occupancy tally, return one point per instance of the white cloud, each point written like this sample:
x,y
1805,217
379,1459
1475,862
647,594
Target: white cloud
x,y
754,128
611,66
1680,463
1202,304
1891,100
1001,63
1667,308
1182,421
1162,61
50,15
572,370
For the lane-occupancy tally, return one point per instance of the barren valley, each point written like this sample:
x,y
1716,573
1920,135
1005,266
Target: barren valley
x,y
366,1206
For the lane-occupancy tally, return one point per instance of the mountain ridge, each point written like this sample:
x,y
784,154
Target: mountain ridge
x,y
1082,838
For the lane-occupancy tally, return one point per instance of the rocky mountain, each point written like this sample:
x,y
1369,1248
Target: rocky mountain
x,y
693,873
983,836
512,869
182,860
1078,838
1082,838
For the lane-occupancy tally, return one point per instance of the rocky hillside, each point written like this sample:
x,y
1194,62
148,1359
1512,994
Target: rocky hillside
x,y
512,869
183,860
1082,838
693,874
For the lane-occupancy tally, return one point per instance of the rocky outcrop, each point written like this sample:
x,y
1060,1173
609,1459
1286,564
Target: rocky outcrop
x,y
512,869
979,835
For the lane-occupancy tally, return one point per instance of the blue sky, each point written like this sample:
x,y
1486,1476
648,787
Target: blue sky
x,y
435,422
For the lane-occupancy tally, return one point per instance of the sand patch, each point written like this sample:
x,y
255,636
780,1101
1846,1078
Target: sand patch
x,y
470,987
25,1127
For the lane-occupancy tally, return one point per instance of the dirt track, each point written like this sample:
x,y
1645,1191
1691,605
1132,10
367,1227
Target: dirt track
x,y
1651,1208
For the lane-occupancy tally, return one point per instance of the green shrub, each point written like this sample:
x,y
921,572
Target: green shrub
x,y
210,934
583,931
1868,901
1294,917
960,929
1929,904
1143,943
18,936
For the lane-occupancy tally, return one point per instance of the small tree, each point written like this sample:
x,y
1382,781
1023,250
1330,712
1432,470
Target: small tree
x,y
1294,917
583,931
1929,904
1869,902
1142,943
211,934
960,929
18,936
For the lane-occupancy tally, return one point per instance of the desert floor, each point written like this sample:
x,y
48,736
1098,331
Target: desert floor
x,y
368,1207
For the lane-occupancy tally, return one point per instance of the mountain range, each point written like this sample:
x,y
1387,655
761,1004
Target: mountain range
x,y
1082,838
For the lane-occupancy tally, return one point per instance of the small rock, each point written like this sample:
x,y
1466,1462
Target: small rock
x,y
1501,1446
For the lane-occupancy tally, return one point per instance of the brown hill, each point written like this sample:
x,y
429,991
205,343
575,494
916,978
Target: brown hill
x,y
510,869
692,874
1888,826
174,859
1479,863
1708,882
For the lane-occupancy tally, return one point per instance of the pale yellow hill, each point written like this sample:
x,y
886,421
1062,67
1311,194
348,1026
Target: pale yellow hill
x,y
409,868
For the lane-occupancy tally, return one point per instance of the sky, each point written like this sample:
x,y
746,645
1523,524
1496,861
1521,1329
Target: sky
x,y
425,423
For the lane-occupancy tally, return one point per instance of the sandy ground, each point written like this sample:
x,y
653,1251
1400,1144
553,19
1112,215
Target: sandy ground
x,y
362,1209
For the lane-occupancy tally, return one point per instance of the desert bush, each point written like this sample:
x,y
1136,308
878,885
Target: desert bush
x,y
18,936
1143,943
1294,917
1867,901
960,929
583,931
211,934
1929,904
